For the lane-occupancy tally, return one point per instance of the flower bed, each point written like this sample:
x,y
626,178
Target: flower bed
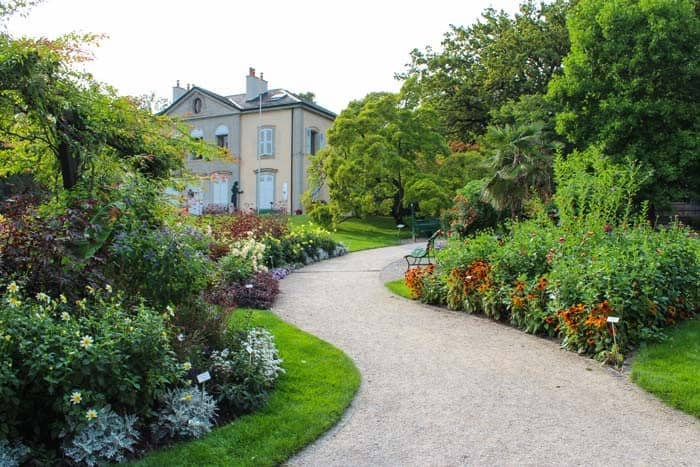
x,y
549,280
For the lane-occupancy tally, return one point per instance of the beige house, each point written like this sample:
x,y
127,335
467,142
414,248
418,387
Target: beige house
x,y
270,133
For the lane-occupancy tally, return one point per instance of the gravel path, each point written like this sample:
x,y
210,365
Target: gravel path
x,y
444,388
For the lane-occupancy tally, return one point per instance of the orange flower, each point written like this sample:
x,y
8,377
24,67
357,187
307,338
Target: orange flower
x,y
590,341
542,284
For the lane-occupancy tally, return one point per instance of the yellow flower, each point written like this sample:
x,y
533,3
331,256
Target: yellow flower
x,y
81,304
90,289
187,398
63,298
8,338
13,288
86,342
14,302
187,366
91,414
76,398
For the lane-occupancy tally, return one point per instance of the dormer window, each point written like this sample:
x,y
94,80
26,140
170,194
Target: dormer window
x,y
197,105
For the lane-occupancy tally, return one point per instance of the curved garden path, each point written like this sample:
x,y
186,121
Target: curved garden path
x,y
446,388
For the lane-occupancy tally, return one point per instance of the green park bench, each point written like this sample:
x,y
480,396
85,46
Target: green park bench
x,y
424,227
423,256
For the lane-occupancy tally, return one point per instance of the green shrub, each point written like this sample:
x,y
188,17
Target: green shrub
x,y
164,266
322,214
60,361
469,213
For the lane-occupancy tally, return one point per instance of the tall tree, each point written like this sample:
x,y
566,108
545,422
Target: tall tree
x,y
631,87
482,66
377,148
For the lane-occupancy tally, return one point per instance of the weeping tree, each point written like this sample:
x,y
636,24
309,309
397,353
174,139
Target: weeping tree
x,y
378,149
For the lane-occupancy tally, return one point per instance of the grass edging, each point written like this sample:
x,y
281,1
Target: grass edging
x,y
671,369
362,234
319,384
399,288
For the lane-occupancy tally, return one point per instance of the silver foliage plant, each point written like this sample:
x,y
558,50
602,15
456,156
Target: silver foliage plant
x,y
106,438
11,455
260,345
258,349
187,413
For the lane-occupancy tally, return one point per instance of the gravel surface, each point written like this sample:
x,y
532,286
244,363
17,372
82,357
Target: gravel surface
x,y
445,388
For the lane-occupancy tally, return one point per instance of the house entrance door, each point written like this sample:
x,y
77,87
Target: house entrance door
x,y
266,191
220,192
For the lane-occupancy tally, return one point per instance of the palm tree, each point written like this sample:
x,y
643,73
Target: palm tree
x,y
522,157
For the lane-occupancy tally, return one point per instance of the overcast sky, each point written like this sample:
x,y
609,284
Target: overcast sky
x,y
339,50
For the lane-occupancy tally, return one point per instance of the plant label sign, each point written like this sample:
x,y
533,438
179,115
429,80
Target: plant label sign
x,y
613,319
203,377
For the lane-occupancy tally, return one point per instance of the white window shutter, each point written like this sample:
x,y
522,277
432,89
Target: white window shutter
x,y
308,141
321,141
261,141
269,143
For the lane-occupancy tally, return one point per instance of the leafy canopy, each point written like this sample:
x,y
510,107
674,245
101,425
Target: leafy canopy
x,y
54,119
631,86
482,66
380,149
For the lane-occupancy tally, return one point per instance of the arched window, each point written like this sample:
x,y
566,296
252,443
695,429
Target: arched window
x,y
222,136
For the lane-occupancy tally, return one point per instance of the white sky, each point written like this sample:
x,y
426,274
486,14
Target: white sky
x,y
339,50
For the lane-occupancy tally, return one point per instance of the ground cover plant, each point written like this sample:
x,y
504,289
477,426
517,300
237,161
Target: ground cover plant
x,y
318,384
670,369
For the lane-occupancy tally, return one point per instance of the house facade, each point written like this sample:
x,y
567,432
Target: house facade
x,y
270,134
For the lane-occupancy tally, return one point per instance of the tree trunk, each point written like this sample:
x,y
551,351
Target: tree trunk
x,y
69,165
397,207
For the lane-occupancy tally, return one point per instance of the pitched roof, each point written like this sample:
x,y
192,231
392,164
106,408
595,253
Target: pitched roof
x,y
271,99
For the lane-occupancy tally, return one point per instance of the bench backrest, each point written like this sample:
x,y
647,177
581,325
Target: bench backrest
x,y
431,240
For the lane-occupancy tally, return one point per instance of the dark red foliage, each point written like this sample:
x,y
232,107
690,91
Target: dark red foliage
x,y
41,252
245,224
259,292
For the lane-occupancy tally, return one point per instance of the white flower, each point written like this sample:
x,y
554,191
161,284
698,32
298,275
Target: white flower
x,y
65,316
86,342
42,297
76,398
13,287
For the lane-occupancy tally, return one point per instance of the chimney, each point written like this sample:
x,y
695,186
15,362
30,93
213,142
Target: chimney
x,y
254,86
178,92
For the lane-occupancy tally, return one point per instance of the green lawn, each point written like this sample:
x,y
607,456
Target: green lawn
x,y
671,369
399,288
363,234
319,383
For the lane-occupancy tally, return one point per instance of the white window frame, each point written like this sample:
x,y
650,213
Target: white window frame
x,y
266,141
